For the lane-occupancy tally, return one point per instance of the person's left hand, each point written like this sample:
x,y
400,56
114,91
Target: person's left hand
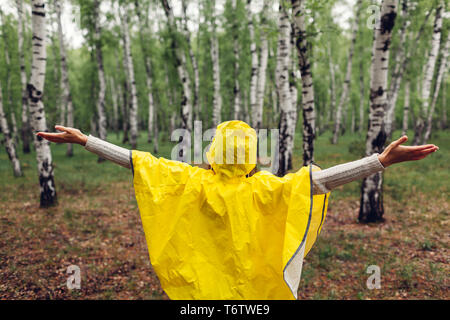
x,y
395,152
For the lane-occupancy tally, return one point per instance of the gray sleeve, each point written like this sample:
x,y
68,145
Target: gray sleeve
x,y
109,151
328,179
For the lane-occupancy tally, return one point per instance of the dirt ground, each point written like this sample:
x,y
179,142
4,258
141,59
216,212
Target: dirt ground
x,y
100,231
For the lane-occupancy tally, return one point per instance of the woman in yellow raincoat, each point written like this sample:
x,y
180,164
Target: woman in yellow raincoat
x,y
225,233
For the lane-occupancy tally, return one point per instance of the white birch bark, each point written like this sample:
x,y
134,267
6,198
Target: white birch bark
x,y
113,91
348,75
15,133
254,69
217,98
443,122
371,205
133,115
406,107
287,126
332,84
399,69
361,98
194,63
428,74
237,107
101,75
148,71
35,90
66,99
442,69
308,109
25,129
125,107
263,60
9,141
186,98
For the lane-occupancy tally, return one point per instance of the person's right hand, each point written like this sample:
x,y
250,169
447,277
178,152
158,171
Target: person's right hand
x,y
68,135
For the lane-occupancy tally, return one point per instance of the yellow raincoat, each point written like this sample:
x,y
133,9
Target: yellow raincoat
x,y
217,234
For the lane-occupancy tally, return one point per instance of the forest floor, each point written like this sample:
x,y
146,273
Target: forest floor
x,y
96,226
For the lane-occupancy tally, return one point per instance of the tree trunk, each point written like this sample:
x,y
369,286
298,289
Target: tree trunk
x,y
397,76
237,89
263,60
348,75
332,85
66,99
293,90
196,108
444,108
125,106
442,68
15,133
217,98
428,74
254,70
35,90
113,91
9,141
133,116
309,116
361,98
101,75
25,129
148,70
287,125
180,63
371,204
406,108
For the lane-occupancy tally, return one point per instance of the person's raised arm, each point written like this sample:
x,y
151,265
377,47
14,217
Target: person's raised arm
x,y
328,179
106,150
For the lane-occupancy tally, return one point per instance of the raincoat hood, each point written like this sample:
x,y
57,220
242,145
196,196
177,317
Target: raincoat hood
x,y
233,150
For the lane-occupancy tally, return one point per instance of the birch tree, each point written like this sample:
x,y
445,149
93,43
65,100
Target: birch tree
x,y
114,99
186,97
263,60
406,107
66,98
25,129
8,67
332,83
309,116
361,97
371,204
237,106
287,124
442,68
102,132
133,116
397,75
348,75
35,90
194,63
254,68
428,74
9,141
217,98
148,72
